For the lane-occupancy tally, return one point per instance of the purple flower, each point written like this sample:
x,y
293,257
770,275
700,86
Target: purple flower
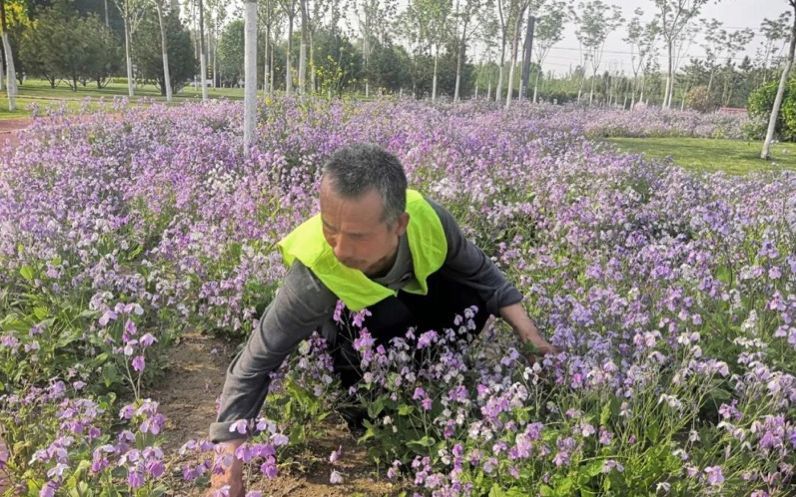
x,y
714,475
241,426
335,455
138,363
335,477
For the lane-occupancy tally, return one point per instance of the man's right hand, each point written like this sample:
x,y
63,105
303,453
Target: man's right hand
x,y
233,474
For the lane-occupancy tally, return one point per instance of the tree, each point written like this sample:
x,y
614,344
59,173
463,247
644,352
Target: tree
x,y
250,63
464,13
164,50
775,34
132,12
642,40
148,53
516,14
202,51
549,31
596,20
269,18
231,52
772,120
11,75
289,8
675,16
62,44
374,21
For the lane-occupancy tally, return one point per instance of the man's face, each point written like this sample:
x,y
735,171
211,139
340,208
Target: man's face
x,y
356,231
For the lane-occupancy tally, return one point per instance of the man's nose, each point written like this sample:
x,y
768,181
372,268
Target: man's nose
x,y
343,249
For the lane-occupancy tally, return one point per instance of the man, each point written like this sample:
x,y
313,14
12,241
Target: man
x,y
378,245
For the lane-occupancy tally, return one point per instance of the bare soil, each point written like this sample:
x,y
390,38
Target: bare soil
x,y
187,397
10,129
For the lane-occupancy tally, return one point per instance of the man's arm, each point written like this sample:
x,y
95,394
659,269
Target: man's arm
x,y
299,307
516,316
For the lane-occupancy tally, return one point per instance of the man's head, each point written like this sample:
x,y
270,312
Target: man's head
x,y
363,206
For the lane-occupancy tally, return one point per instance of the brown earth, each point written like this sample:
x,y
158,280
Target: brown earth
x,y
10,129
187,398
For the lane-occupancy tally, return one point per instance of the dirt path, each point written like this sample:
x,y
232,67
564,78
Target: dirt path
x,y
187,398
10,129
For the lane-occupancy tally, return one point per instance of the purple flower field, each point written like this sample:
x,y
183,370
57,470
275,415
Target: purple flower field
x,y
672,295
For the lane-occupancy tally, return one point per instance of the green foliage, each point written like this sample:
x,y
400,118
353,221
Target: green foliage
x,y
62,45
148,52
230,53
761,102
699,99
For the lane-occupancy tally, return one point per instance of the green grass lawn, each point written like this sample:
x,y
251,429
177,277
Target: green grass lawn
x,y
39,91
708,155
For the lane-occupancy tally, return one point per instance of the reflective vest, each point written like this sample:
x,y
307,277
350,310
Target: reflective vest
x,y
427,243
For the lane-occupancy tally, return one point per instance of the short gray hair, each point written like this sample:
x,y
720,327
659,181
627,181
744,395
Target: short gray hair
x,y
356,169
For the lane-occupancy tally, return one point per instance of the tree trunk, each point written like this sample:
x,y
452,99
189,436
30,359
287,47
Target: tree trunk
x,y
783,81
536,83
499,86
271,76
669,77
214,51
311,62
202,51
513,62
643,84
164,51
459,57
302,73
288,78
2,71
434,79
107,21
250,72
130,80
11,76
265,59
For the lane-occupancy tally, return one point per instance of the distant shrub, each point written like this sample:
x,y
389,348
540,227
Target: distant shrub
x,y
761,102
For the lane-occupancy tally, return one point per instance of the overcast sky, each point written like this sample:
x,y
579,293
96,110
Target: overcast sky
x,y
734,14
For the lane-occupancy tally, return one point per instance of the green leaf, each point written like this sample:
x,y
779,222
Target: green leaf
x,y
27,272
41,312
595,468
426,441
405,409
605,414
375,407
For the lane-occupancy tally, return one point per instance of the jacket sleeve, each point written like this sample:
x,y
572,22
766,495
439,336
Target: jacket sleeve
x,y
300,307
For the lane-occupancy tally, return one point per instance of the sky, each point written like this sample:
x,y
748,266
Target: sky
x,y
733,14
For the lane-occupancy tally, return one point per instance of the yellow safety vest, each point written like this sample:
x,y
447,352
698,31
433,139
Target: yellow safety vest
x,y
427,243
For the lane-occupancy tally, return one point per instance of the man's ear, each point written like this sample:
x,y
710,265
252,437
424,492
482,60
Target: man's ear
x,y
401,223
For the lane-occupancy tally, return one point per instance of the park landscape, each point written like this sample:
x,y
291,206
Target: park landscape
x,y
653,245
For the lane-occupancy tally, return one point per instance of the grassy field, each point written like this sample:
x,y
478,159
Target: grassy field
x,y
701,154
39,92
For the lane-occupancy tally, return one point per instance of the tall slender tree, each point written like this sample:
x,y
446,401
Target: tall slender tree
x,y
549,31
202,51
675,16
464,13
596,20
250,70
11,74
131,11
164,48
289,8
783,80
